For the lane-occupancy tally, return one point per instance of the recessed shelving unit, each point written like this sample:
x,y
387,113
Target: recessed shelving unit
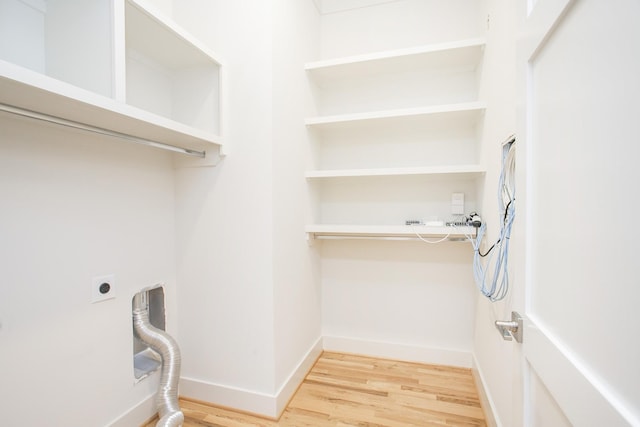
x,y
169,72
395,135
123,68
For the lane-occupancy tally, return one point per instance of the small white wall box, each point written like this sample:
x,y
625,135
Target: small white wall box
x,y
103,288
457,203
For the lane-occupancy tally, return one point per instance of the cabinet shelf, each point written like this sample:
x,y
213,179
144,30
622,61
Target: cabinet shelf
x,y
36,92
388,232
458,55
467,170
465,114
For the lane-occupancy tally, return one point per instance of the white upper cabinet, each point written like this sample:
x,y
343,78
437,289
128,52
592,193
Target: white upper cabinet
x,y
118,65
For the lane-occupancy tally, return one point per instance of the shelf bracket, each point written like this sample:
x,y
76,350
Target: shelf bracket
x,y
311,238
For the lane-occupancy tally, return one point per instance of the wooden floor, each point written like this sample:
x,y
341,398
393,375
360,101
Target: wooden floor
x,y
347,390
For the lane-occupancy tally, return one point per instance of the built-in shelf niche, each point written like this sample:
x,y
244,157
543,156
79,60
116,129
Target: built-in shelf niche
x,y
117,65
170,73
390,200
67,40
395,136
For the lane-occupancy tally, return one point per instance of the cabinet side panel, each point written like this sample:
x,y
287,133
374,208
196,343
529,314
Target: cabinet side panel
x,y
196,97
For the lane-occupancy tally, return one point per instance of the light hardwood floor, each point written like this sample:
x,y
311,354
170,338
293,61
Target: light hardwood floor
x,y
347,390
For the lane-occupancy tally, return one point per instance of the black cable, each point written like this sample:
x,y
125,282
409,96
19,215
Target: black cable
x,y
504,220
490,249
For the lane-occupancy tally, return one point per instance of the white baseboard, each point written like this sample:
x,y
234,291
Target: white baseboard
x,y
264,404
436,356
232,397
485,397
137,415
290,386
272,405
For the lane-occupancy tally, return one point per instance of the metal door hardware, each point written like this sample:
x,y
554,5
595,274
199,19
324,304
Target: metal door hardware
x,y
511,329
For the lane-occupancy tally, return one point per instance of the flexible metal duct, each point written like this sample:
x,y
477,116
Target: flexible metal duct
x,y
167,347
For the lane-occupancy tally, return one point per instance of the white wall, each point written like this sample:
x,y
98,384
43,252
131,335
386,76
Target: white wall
x,y
224,216
396,24
249,298
493,355
407,300
75,205
297,316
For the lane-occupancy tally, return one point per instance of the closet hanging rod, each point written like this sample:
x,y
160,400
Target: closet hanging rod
x,y
393,238
77,125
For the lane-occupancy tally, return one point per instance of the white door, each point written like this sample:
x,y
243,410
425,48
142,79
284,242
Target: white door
x,y
578,165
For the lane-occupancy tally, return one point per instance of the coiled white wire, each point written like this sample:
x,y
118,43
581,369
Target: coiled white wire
x,y
433,241
497,287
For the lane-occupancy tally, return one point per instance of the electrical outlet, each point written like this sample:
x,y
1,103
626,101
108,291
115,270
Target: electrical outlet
x,y
103,288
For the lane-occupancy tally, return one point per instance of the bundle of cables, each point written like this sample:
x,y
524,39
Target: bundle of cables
x,y
497,286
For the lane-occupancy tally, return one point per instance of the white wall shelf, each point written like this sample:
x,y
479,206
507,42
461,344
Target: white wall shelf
x,y
388,232
464,114
453,56
124,69
468,170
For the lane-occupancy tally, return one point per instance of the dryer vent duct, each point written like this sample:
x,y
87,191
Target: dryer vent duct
x,y
167,348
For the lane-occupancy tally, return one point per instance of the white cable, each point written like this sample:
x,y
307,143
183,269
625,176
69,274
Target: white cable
x,y
433,241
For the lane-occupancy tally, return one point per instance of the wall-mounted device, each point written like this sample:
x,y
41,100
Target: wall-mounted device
x,y
475,220
457,203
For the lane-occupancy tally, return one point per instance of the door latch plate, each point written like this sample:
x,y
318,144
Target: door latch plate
x,y
512,329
